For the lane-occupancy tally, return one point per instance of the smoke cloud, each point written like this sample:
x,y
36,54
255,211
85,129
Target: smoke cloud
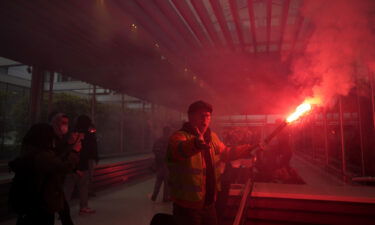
x,y
341,41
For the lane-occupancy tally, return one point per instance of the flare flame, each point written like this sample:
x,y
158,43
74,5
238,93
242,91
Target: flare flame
x,y
300,111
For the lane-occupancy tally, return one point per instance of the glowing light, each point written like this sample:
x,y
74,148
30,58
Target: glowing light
x,y
300,110
134,26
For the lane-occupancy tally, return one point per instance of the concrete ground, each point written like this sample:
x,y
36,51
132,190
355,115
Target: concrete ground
x,y
127,204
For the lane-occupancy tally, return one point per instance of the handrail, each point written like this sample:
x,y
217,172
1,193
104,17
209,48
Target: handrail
x,y
238,220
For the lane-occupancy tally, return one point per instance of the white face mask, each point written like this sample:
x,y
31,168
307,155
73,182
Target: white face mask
x,y
64,129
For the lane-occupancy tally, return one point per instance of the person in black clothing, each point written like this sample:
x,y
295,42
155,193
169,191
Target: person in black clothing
x,y
39,162
284,148
160,152
81,177
67,146
89,155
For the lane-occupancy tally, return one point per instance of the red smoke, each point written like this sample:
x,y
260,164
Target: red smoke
x,y
341,42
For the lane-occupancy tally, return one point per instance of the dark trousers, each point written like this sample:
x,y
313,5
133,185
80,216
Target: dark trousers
x,y
162,219
161,178
187,216
82,183
37,216
92,165
64,215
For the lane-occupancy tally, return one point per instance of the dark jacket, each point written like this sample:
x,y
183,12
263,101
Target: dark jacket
x,y
65,151
52,170
160,151
89,151
48,171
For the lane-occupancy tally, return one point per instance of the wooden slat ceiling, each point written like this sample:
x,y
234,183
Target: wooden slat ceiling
x,y
170,52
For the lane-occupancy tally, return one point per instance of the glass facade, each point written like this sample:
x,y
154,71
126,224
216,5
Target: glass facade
x,y
125,124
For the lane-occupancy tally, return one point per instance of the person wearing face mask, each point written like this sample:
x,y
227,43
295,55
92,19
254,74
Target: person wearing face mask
x,y
194,157
41,172
60,123
66,148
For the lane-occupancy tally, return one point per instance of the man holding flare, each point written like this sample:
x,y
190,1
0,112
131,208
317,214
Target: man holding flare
x,y
194,157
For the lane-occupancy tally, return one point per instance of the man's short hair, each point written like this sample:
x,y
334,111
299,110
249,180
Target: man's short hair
x,y
199,105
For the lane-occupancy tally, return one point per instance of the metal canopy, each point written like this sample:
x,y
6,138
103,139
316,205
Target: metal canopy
x,y
170,52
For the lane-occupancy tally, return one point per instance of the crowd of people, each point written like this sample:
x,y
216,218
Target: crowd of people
x,y
53,161
192,165
240,135
272,165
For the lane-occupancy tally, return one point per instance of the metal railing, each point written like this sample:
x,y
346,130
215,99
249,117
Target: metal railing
x,y
244,203
121,172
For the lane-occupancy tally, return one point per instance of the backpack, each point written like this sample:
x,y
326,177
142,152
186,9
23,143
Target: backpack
x,y
23,192
162,219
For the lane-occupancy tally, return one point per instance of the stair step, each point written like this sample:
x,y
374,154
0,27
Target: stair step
x,y
309,217
274,205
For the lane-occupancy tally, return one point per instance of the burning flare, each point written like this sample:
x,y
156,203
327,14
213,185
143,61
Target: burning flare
x,y
301,110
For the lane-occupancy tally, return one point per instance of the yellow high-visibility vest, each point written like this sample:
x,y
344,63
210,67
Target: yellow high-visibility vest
x,y
187,168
